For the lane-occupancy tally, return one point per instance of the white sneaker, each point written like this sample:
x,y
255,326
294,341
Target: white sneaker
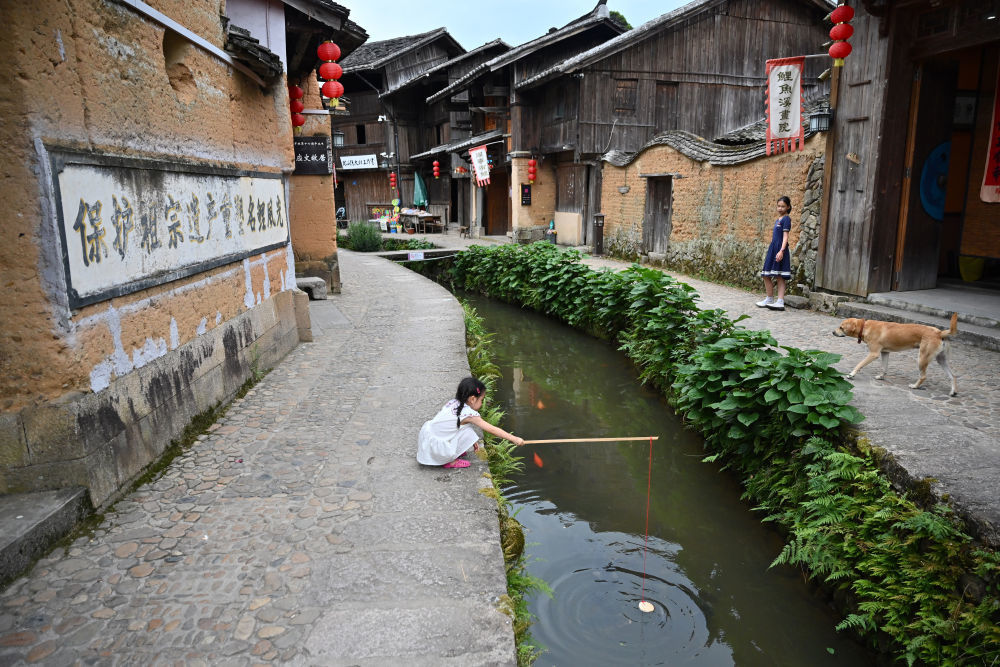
x,y
766,303
778,304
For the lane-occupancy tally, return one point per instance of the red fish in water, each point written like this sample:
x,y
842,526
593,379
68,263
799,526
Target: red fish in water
x,y
540,405
538,460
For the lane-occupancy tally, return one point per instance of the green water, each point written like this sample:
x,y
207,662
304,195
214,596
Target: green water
x,y
584,511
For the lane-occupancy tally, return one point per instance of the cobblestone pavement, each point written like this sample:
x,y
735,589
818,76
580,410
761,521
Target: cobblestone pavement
x,y
299,529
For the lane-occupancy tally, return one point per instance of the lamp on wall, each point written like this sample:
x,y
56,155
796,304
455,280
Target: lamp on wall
x,y
819,120
338,138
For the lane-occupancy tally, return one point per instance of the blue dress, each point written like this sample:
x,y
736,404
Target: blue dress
x,y
772,267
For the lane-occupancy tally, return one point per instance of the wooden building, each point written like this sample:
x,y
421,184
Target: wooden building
x,y
699,69
914,110
388,122
454,190
489,91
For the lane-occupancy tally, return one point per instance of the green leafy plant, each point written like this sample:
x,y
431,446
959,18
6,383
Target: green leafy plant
x,y
363,237
503,463
907,574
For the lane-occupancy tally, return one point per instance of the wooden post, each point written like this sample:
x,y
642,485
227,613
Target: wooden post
x,y
828,163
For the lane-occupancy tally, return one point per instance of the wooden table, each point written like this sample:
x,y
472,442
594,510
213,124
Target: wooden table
x,y
421,223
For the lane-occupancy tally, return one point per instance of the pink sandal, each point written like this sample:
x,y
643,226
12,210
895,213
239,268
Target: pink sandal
x,y
457,463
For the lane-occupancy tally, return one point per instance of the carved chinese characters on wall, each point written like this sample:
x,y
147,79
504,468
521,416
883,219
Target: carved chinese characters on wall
x,y
128,225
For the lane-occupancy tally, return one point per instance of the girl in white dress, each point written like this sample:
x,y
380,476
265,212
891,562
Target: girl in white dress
x,y
449,434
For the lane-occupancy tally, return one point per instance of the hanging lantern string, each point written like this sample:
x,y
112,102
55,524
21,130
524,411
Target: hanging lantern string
x,y
645,546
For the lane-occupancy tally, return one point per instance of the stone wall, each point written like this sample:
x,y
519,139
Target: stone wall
x,y
91,394
722,215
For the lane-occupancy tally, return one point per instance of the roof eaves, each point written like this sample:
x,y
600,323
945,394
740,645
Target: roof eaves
x,y
458,146
448,63
419,41
461,83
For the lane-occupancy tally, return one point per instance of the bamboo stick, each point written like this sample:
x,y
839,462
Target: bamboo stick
x,y
539,442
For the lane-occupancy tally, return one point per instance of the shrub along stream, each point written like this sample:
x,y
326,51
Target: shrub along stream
x,y
908,577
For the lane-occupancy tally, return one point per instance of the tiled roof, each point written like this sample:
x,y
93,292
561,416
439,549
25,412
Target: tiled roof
x,y
633,36
373,55
458,146
598,16
696,148
496,43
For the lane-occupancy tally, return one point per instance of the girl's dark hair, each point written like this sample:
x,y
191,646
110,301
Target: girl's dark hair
x,y
788,202
467,388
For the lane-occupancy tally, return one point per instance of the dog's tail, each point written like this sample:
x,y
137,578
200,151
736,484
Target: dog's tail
x,y
945,333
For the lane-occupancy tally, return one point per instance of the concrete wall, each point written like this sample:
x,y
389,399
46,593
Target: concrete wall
x,y
722,216
89,395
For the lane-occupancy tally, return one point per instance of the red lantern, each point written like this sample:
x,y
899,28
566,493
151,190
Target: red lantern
x,y
295,93
296,106
532,162
841,31
841,14
839,51
333,89
328,51
437,169
392,180
330,71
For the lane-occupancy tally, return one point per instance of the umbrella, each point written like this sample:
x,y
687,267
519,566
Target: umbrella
x,y
419,191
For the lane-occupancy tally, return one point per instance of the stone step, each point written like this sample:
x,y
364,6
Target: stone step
x,y
32,523
313,286
986,337
941,309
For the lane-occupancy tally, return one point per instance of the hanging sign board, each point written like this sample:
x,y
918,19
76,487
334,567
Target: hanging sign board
x,y
358,161
990,192
313,155
784,105
480,165
525,194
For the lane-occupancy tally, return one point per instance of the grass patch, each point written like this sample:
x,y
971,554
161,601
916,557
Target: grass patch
x,y
503,463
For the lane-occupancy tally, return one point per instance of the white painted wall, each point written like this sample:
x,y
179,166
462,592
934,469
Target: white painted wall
x,y
265,19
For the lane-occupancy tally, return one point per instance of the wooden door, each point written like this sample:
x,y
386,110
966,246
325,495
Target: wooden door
x,y
656,222
919,224
498,203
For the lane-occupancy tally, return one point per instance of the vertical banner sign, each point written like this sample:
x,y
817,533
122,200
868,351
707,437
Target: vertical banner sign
x,y
990,192
784,105
480,165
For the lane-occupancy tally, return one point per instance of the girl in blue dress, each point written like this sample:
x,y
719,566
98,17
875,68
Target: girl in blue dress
x,y
777,263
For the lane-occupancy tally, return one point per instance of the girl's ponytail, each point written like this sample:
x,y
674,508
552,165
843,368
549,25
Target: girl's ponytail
x,y
467,388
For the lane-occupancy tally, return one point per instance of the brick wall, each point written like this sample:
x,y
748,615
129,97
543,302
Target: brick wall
x,y
722,216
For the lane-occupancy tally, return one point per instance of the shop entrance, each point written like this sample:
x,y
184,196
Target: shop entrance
x,y
945,230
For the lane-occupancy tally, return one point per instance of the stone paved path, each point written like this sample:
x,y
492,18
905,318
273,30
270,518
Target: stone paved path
x,y
299,529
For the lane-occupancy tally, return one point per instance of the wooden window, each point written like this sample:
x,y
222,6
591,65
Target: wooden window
x,y
934,22
626,91
559,104
360,129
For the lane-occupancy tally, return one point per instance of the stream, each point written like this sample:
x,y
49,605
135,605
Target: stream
x,y
584,512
